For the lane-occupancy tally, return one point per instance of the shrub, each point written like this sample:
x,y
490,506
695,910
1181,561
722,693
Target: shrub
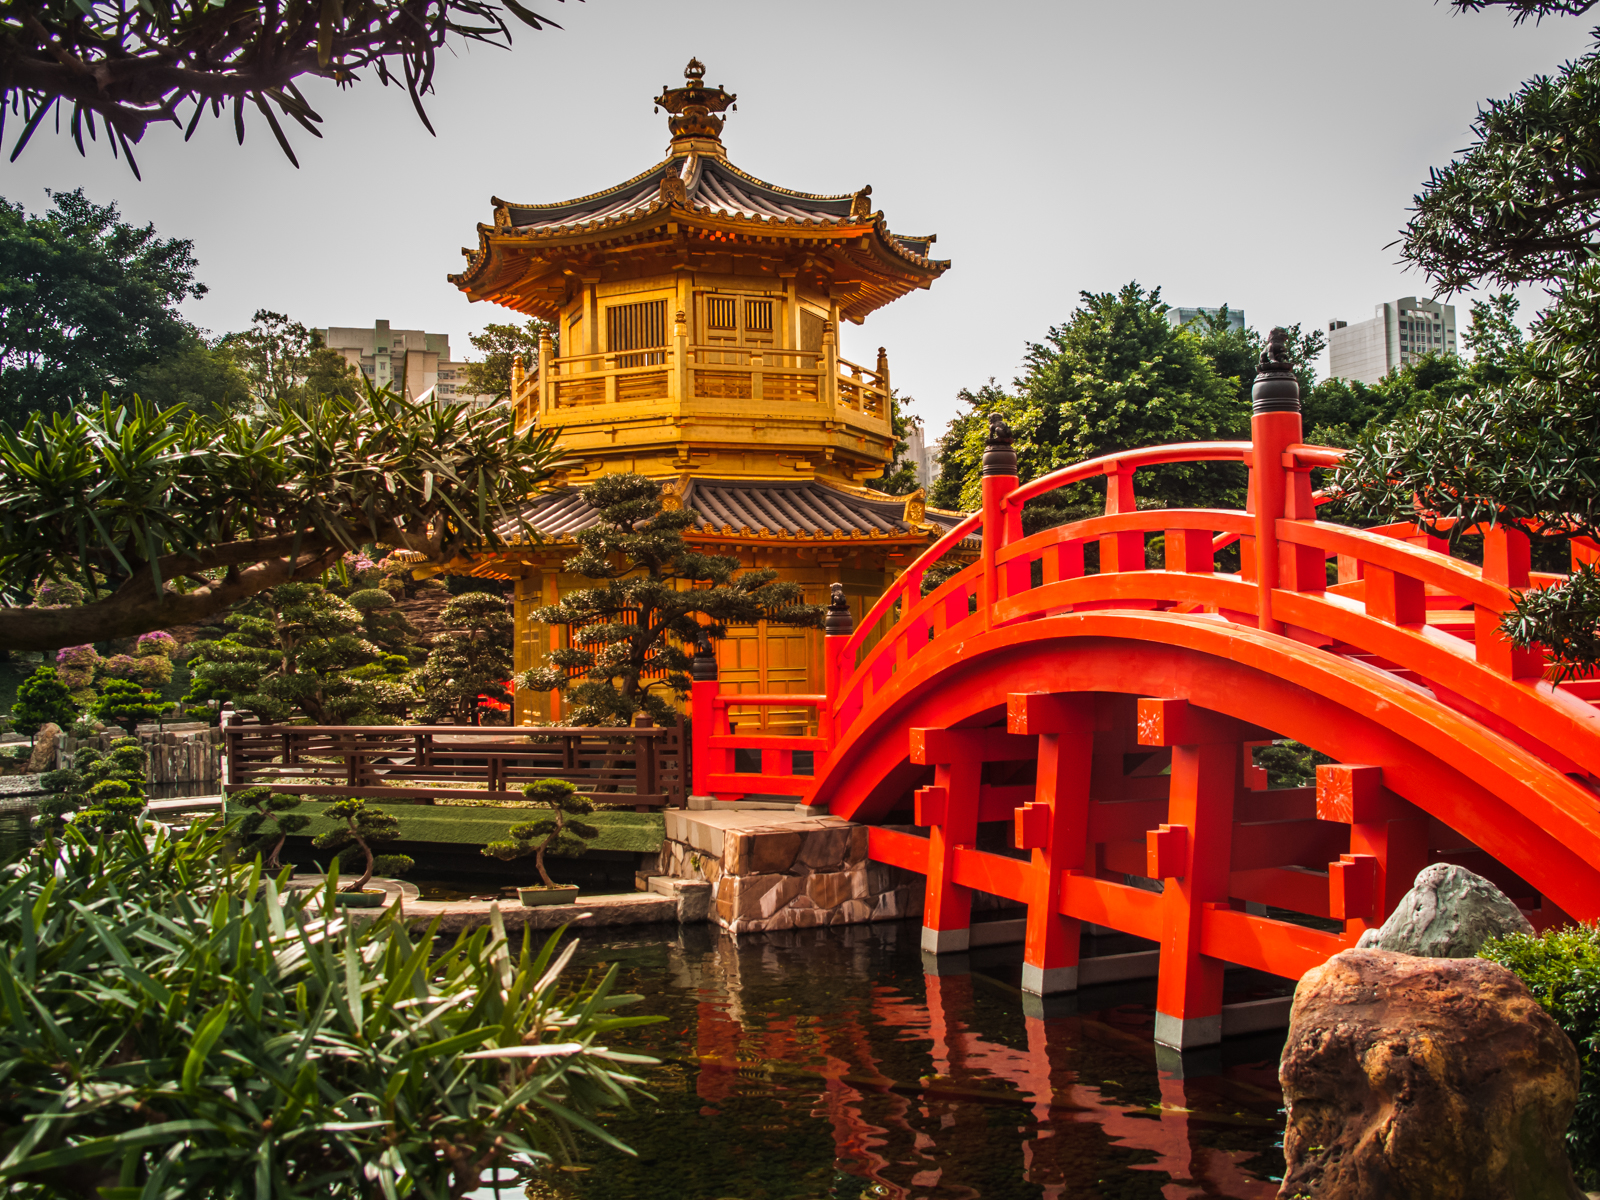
x,y
1562,969
160,642
41,700
560,834
75,666
147,670
270,818
104,791
226,1043
124,702
363,828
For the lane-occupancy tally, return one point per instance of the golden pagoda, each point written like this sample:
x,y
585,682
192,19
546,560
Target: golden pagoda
x,y
698,310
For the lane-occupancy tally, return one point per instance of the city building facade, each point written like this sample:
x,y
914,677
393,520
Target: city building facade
x,y
410,360
1400,332
1183,316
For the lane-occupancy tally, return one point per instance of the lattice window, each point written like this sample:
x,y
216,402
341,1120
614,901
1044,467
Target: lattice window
x,y
639,326
722,312
758,316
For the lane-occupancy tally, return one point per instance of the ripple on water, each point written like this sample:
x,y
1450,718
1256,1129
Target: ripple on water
x,y
825,1063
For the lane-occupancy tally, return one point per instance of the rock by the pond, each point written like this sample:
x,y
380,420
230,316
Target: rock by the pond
x,y
1448,913
1428,1079
45,742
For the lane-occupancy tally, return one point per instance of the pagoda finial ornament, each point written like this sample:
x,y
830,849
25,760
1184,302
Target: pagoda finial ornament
x,y
694,107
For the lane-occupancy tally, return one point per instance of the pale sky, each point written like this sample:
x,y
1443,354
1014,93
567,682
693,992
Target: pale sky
x,y
1261,153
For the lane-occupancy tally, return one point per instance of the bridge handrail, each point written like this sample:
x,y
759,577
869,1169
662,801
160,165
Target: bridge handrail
x,y
1427,566
1130,460
1145,520
958,534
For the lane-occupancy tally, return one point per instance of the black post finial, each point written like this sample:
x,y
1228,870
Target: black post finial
x,y
1276,389
704,668
998,456
838,621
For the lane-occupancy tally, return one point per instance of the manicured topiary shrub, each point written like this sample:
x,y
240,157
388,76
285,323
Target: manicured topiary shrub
x,y
1562,970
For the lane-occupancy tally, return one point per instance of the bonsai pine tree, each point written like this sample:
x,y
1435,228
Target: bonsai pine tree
x,y
42,699
299,650
124,702
269,821
560,833
361,829
471,658
627,636
106,791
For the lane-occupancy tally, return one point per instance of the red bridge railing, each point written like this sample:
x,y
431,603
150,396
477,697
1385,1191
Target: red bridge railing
x,y
1399,601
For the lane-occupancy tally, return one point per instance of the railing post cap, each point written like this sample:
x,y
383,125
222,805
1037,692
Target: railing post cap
x,y
998,456
839,622
704,668
1276,389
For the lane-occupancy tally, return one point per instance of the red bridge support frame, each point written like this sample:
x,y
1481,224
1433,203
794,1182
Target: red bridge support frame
x,y
1095,730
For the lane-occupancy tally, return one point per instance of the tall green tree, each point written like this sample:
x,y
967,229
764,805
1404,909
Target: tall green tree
x,y
168,518
284,360
1518,205
499,344
298,651
470,661
200,375
1115,376
86,301
627,637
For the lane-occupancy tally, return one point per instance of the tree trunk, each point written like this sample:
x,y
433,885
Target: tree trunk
x,y
360,885
272,863
538,859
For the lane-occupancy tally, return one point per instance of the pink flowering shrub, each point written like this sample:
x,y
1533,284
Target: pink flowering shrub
x,y
149,670
75,666
57,594
159,642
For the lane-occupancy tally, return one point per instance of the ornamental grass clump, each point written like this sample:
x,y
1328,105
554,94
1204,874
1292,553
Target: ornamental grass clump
x,y
559,834
172,1024
1561,969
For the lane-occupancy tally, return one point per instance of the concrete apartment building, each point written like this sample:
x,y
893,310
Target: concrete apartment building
x,y
409,360
1182,316
1400,332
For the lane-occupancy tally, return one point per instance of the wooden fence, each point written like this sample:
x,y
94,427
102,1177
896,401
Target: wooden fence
x,y
640,767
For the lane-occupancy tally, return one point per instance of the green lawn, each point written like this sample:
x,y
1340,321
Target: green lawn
x,y
640,833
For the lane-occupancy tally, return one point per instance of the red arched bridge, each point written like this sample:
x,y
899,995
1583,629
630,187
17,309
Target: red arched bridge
x,y
1108,720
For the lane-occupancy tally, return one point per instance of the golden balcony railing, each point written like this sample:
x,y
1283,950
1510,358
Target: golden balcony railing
x,y
684,373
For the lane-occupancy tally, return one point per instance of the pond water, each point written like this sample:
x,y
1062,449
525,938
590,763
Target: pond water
x,y
827,1063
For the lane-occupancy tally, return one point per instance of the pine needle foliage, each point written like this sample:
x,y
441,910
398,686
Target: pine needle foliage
x,y
470,659
361,829
560,834
175,1025
657,595
269,819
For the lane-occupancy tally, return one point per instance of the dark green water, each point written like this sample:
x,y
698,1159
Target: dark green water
x,y
828,1064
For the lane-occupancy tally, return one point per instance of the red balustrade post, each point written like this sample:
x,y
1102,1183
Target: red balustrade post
x,y
1121,551
1274,427
836,629
703,691
1507,560
1001,525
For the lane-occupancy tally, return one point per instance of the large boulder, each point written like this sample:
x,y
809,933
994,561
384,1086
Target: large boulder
x,y
1424,1079
1448,913
46,744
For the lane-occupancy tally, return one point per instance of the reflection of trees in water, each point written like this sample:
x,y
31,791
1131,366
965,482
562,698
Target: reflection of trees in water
x,y
812,1064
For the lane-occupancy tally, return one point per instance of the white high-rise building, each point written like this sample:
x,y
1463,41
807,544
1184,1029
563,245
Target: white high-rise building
x,y
1400,332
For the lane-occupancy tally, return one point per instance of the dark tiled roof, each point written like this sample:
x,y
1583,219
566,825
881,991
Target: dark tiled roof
x,y
802,508
707,182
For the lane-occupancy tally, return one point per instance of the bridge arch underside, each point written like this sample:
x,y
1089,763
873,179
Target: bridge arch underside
x,y
1138,765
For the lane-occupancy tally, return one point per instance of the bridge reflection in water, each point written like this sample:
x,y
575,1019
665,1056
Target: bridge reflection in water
x,y
829,1064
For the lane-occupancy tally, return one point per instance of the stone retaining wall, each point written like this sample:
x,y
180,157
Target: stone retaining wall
x,y
787,872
